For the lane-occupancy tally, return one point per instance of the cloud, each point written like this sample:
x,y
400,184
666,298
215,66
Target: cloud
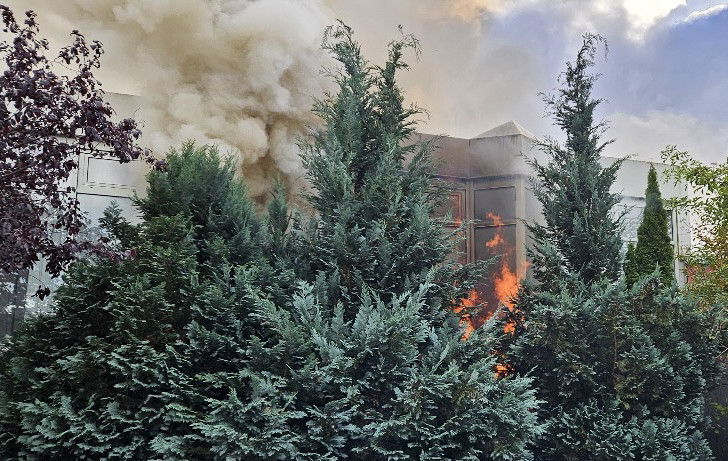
x,y
643,14
702,14
646,136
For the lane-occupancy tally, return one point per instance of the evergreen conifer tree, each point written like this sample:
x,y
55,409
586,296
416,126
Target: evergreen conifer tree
x,y
631,273
373,225
573,186
146,357
199,343
653,238
622,371
372,350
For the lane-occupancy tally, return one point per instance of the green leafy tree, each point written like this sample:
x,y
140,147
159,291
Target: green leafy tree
x,y
653,238
707,261
622,370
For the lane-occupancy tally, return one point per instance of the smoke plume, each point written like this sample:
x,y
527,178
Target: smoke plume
x,y
240,74
236,73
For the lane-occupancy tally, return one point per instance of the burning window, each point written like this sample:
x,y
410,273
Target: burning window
x,y
495,236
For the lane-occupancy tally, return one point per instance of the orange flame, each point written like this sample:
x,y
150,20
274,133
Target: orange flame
x,y
495,241
497,220
465,317
506,285
506,282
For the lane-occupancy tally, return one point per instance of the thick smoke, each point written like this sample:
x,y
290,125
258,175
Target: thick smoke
x,y
240,74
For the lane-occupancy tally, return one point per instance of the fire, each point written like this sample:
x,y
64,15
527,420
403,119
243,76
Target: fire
x,y
465,317
506,285
505,281
495,241
497,220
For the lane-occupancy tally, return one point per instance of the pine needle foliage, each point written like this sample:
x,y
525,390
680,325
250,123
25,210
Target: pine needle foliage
x,y
622,369
198,183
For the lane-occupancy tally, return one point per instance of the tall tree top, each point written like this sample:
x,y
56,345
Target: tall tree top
x,y
573,106
373,189
581,233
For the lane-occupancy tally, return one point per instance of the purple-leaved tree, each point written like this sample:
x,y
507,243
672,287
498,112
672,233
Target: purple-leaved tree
x,y
46,121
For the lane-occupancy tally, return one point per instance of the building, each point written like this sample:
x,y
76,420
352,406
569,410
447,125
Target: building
x,y
491,195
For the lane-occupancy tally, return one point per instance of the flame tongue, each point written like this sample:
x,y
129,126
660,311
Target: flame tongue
x,y
505,281
495,241
466,318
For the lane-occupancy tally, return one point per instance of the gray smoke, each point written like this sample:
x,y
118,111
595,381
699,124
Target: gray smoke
x,y
236,73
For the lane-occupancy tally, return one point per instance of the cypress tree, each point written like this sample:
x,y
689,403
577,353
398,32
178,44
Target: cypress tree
x,y
199,343
373,223
573,186
622,371
653,238
369,345
145,356
631,274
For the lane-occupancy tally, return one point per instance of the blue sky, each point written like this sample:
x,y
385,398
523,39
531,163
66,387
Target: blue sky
x,y
664,79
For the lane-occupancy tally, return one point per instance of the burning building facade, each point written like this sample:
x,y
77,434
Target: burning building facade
x,y
492,195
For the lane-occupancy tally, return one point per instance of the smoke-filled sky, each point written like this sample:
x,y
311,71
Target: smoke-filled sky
x,y
241,73
665,77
